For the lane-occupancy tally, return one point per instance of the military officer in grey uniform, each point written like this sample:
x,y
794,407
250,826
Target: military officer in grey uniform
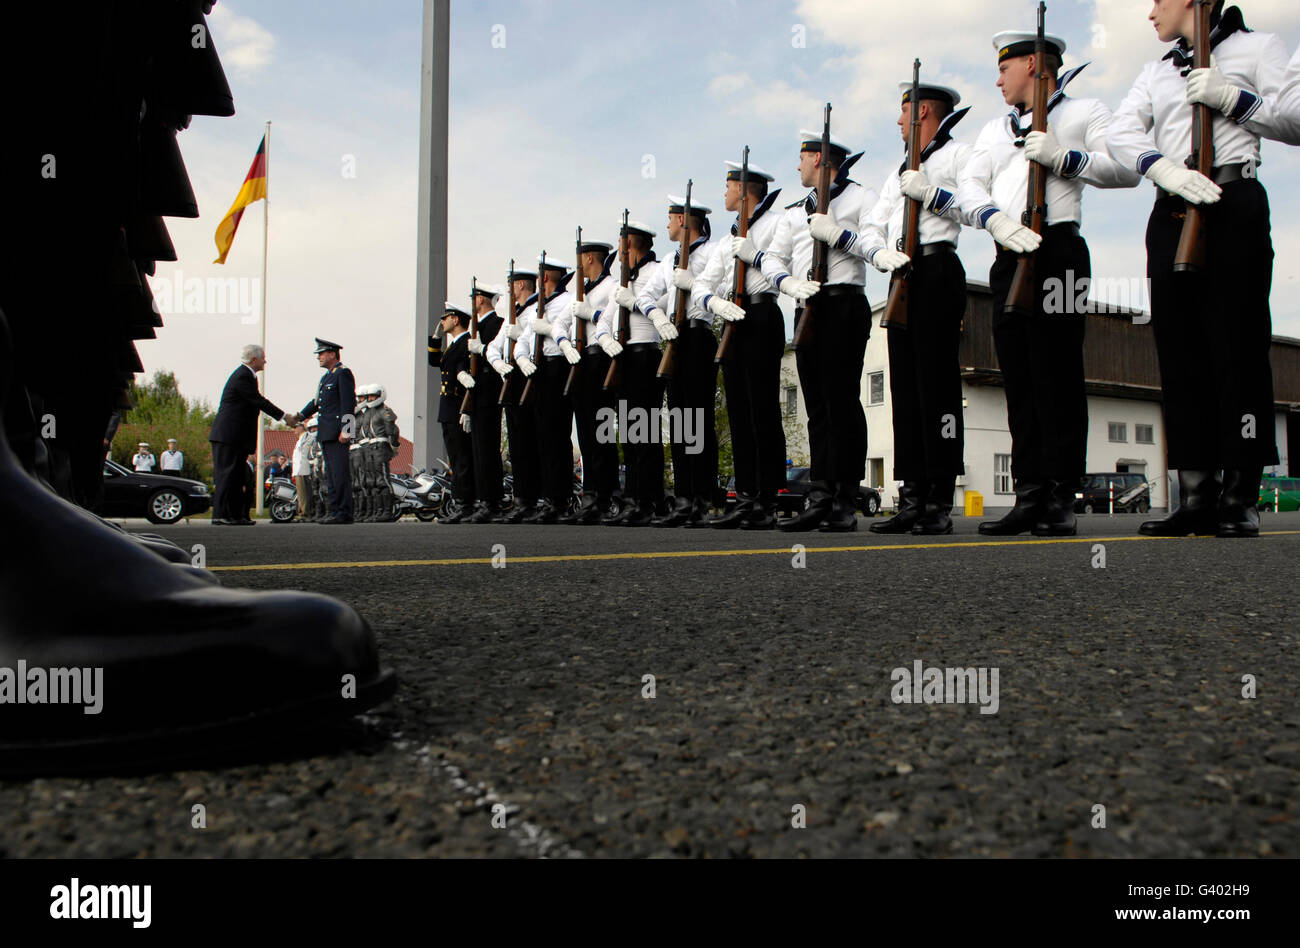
x,y
336,401
356,458
382,443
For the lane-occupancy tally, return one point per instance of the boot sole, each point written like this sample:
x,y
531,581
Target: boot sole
x,y
170,747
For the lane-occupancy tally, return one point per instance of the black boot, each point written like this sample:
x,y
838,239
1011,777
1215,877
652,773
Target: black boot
x,y
1030,495
843,517
546,512
676,517
910,494
1057,516
762,517
642,515
815,513
584,509
935,519
699,514
1198,508
1239,506
614,518
486,513
523,510
733,518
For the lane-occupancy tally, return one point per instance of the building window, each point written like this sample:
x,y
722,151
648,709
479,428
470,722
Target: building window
x,y
791,399
877,380
1144,434
876,472
1118,432
1002,474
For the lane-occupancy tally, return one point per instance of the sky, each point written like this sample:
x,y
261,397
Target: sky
x,y
562,114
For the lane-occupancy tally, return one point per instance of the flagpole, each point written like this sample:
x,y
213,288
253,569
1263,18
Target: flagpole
x,y
259,491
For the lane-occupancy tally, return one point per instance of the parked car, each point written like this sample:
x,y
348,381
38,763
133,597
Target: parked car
x,y
1282,493
1132,493
793,498
160,497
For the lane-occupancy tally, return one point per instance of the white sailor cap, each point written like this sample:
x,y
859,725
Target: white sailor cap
x,y
677,204
143,444
449,307
637,227
930,90
595,246
490,290
812,141
553,263
755,172
521,274
1013,43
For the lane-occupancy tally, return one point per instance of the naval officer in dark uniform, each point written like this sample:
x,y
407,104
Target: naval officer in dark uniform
x,y
453,362
336,401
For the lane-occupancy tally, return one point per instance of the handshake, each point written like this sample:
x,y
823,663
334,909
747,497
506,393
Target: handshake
x,y
292,420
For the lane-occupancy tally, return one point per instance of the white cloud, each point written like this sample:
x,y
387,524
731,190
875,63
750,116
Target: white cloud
x,y
245,45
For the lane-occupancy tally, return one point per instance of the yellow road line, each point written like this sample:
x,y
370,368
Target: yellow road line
x,y
679,554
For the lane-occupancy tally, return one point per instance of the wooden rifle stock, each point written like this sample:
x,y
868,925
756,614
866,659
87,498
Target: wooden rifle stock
x,y
467,403
539,341
668,364
738,279
579,325
1023,294
803,333
509,348
1191,253
900,283
614,377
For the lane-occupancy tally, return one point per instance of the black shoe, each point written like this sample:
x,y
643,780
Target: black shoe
x,y
544,513
485,514
817,508
1030,496
761,517
910,497
1198,509
698,516
590,515
642,515
1056,517
334,521
732,519
223,522
521,511
614,518
843,516
677,517
1239,506
246,522
579,513
935,519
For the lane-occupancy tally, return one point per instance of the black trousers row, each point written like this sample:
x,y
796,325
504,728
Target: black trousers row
x,y
692,391
600,459
1041,357
751,375
830,375
1213,331
541,451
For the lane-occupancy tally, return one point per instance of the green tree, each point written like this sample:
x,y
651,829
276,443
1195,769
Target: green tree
x,y
160,412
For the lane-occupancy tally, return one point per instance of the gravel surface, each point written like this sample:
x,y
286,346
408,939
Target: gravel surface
x,y
522,689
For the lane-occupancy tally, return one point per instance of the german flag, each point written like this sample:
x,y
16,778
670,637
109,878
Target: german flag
x,y
254,188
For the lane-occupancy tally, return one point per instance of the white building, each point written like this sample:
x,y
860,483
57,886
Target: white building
x,y
1125,423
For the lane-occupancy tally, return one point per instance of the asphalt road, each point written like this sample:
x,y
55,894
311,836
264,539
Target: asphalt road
x,y
523,688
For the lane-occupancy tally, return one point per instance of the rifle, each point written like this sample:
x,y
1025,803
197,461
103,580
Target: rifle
x,y
539,341
467,403
510,343
738,278
1024,288
1191,243
668,364
614,377
900,284
579,325
821,250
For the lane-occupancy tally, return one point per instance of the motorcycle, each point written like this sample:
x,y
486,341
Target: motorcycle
x,y
281,499
419,493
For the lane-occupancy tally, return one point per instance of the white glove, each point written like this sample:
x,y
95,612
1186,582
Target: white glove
x,y
503,307
582,309
476,347
915,185
1012,234
624,297
663,325
744,249
464,378
543,327
570,353
726,309
825,228
887,261
1191,186
514,331
465,424
1207,86
502,367
683,279
611,346
1043,148
525,365
800,289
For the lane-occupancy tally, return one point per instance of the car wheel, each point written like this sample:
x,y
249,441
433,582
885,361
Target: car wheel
x,y
1143,506
1087,508
807,502
426,516
283,511
872,505
165,506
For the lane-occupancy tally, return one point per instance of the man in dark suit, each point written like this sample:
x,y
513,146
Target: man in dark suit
x,y
336,401
453,361
234,438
